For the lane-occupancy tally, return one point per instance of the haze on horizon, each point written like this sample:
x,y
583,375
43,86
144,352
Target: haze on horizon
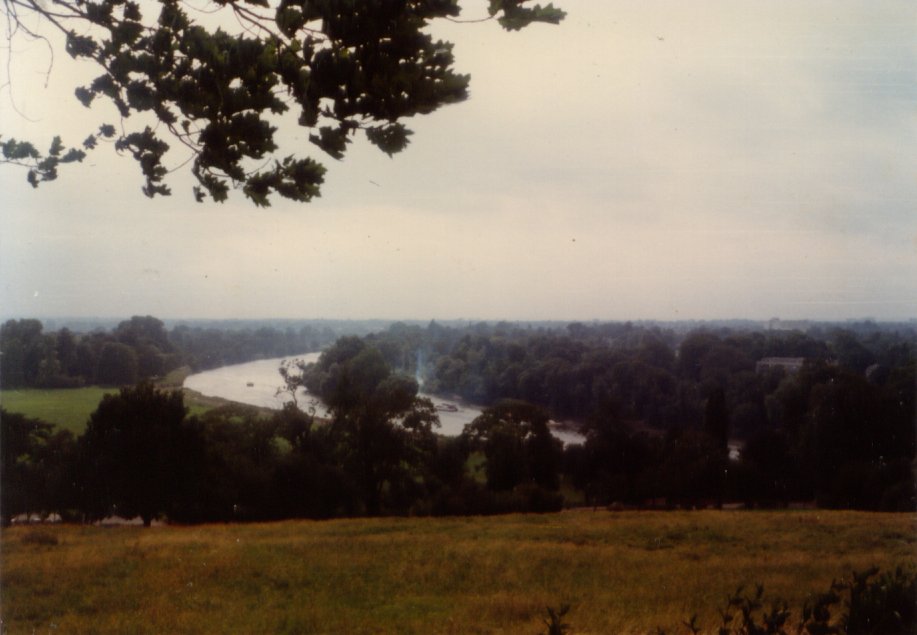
x,y
643,160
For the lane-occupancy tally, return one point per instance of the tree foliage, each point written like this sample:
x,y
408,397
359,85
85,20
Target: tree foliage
x,y
137,453
382,431
141,348
865,603
216,81
830,434
664,409
22,437
518,445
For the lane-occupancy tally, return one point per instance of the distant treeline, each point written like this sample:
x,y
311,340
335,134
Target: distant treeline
x,y
833,425
648,376
138,349
836,428
826,415
141,454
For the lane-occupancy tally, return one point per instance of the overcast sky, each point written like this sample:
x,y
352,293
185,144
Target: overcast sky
x,y
644,160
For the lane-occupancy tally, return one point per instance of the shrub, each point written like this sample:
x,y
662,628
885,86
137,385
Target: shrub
x,y
886,604
555,620
863,604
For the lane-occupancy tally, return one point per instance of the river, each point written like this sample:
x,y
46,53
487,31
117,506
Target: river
x,y
256,383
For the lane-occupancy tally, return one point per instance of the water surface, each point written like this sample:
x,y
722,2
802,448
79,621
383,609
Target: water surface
x,y
257,384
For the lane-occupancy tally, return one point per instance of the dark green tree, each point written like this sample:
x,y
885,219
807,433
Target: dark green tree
x,y
716,425
147,336
382,432
138,454
25,353
240,456
307,482
612,463
850,351
689,469
56,461
716,419
118,365
87,359
518,445
218,92
65,347
767,474
693,350
860,443
143,330
21,439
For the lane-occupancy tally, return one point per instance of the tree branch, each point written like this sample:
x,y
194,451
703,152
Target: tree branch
x,y
361,70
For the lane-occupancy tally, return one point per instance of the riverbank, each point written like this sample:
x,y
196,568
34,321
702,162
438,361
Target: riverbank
x,y
256,383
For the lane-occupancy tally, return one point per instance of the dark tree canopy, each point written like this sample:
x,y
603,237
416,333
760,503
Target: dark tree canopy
x,y
341,66
517,444
21,437
137,452
381,429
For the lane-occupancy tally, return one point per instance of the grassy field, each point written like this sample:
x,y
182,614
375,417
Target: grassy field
x,y
622,572
69,408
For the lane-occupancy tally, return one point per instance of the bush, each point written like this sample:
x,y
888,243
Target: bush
x,y
864,604
887,604
555,620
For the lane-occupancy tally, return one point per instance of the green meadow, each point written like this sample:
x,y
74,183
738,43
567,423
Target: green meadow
x,y
625,572
69,408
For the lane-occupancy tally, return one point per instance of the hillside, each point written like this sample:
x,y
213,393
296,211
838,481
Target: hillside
x,y
622,572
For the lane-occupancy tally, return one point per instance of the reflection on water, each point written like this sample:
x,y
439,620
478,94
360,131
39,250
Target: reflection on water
x,y
256,383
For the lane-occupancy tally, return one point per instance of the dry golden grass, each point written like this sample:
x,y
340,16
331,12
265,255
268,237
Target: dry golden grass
x,y
622,572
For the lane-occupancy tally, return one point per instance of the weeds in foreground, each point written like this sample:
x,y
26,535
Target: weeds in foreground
x,y
864,604
554,621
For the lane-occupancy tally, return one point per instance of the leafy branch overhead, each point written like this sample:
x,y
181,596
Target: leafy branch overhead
x,y
343,66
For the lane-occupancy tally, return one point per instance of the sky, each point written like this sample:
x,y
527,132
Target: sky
x,y
655,160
